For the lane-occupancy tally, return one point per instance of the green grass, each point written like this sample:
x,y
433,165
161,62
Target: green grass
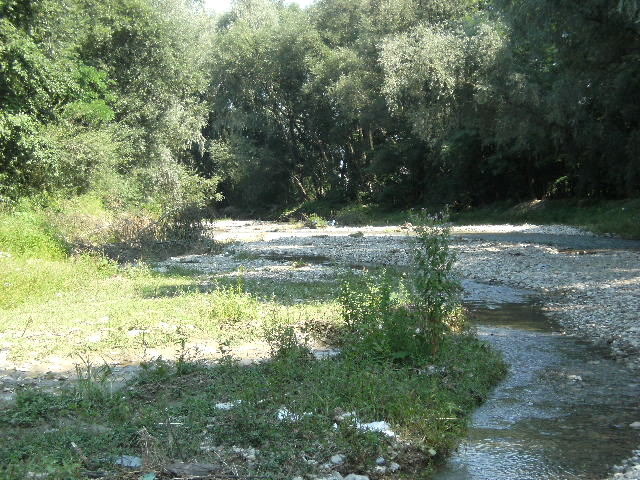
x,y
170,414
28,234
621,217
88,303
617,217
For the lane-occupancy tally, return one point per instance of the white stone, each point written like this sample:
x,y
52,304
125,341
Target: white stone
x,y
338,459
381,427
227,405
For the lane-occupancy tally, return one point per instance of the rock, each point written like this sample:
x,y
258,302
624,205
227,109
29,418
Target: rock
x,y
338,459
340,416
227,405
635,425
353,476
380,461
129,461
394,467
381,427
249,454
332,476
181,469
380,470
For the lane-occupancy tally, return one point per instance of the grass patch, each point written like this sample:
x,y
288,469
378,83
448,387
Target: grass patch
x,y
617,217
28,234
82,304
171,414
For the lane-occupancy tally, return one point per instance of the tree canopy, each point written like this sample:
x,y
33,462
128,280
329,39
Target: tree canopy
x,y
398,102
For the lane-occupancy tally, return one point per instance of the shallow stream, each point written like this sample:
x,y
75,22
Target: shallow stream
x,y
564,410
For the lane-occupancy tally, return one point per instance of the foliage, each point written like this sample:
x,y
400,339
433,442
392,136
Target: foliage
x,y
109,105
435,291
405,322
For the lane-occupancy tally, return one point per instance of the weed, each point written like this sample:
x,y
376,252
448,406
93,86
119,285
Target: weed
x,y
435,291
314,221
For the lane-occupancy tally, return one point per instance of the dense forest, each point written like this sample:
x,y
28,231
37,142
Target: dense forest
x,y
160,104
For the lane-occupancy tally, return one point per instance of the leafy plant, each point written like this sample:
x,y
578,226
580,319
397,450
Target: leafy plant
x,y
434,289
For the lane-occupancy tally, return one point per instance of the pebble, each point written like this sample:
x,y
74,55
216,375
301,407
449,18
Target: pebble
x,y
129,461
338,459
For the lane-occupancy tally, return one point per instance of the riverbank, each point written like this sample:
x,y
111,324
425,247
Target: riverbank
x,y
281,274
606,217
590,285
225,363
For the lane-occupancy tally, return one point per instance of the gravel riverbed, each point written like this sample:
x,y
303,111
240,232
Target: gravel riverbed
x,y
589,284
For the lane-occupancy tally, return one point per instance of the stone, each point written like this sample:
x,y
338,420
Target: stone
x,y
332,476
338,459
394,467
227,405
381,427
635,425
129,461
380,461
181,469
353,476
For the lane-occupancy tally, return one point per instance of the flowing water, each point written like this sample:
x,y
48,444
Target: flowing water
x,y
564,410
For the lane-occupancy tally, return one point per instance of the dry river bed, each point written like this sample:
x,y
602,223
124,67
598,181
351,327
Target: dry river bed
x,y
588,284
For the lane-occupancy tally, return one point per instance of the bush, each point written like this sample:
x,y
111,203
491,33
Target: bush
x,y
434,290
28,234
407,323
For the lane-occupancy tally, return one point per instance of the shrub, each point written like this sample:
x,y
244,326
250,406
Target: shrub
x,y
27,233
434,289
381,325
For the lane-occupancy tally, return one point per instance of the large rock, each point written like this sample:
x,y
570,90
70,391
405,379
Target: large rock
x,y
192,469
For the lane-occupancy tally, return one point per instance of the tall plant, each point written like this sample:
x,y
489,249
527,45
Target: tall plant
x,y
435,291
